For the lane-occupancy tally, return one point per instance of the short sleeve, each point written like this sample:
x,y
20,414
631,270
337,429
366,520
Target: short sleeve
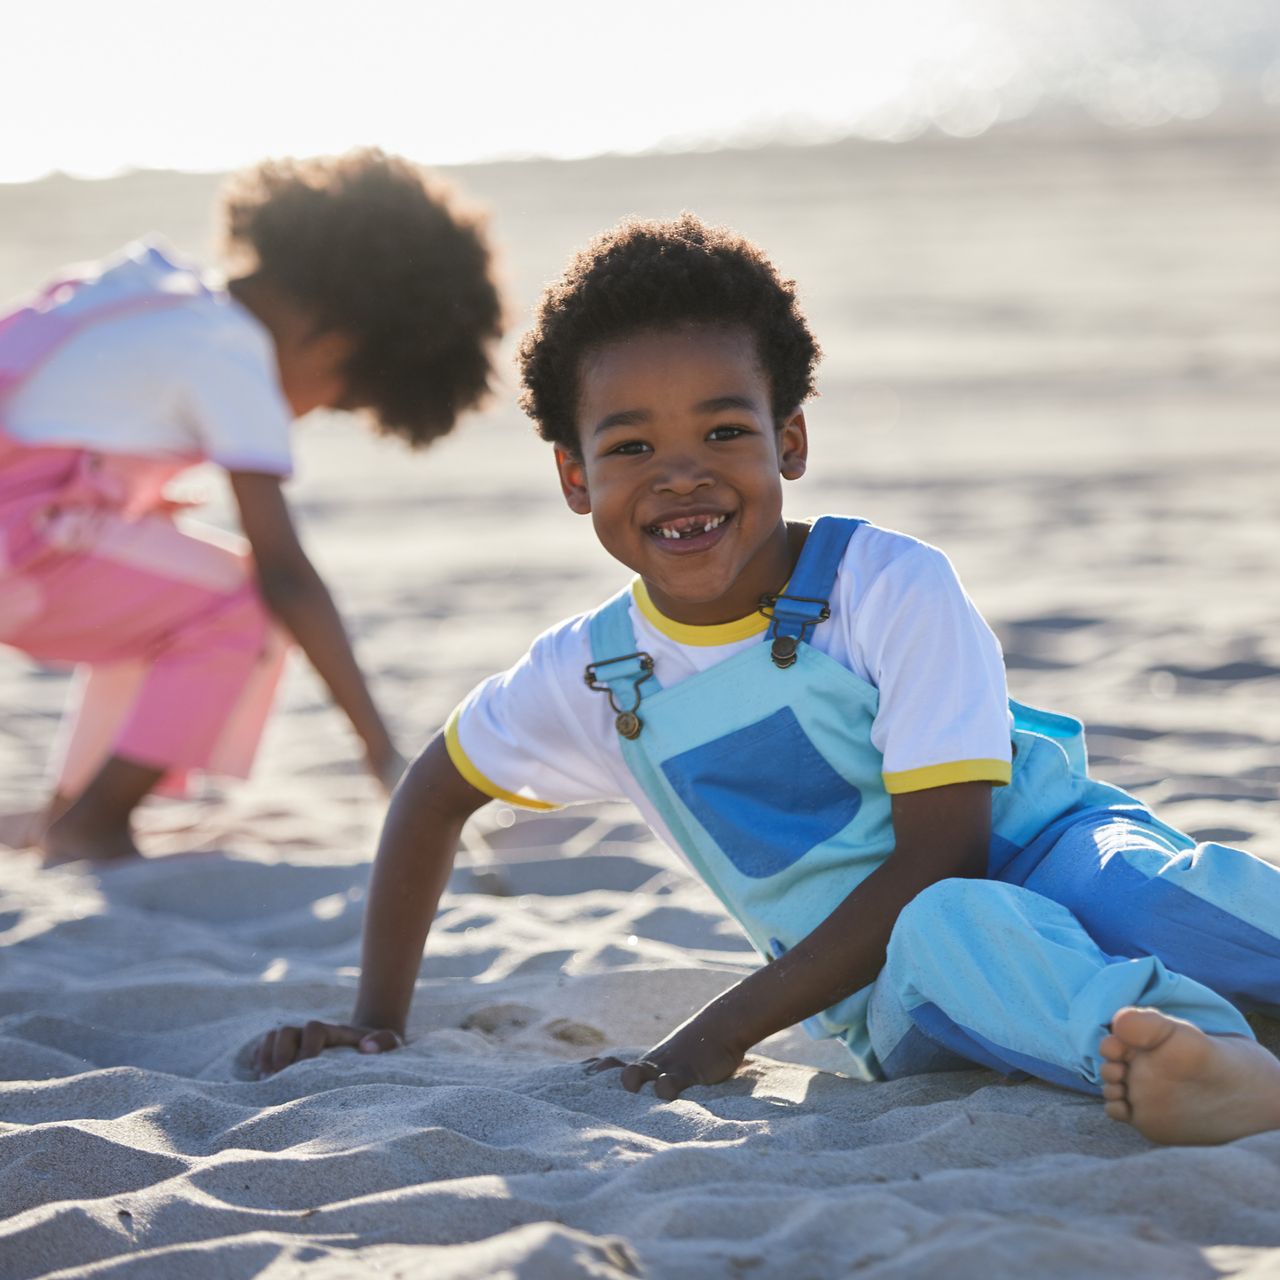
x,y
232,396
943,714
523,737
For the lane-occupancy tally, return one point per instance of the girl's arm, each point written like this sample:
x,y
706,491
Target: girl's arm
x,y
295,593
415,856
939,833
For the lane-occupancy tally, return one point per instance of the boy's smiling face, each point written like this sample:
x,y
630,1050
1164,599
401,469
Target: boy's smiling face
x,y
681,466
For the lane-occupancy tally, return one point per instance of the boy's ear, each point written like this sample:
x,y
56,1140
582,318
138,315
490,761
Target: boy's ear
x,y
793,446
573,482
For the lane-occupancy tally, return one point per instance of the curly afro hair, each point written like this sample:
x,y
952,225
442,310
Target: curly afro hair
x,y
646,275
374,246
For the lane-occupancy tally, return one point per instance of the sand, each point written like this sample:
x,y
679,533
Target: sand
x,y
1055,356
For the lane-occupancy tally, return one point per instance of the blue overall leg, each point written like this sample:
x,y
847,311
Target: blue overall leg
x,y
983,972
1210,912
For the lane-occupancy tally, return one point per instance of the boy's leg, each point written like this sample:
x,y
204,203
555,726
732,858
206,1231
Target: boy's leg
x,y
1000,976
1211,912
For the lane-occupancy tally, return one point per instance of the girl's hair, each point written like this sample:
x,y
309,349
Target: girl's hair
x,y
646,275
376,247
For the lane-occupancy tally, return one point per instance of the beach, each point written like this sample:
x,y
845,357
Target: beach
x,y
1051,352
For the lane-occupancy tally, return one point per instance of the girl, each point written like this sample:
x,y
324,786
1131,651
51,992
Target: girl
x,y
355,282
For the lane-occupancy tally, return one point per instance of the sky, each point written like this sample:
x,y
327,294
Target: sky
x,y
94,89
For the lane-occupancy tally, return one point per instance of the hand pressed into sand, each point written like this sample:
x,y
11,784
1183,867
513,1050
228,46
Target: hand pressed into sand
x,y
1176,1084
702,1051
286,1045
940,832
415,855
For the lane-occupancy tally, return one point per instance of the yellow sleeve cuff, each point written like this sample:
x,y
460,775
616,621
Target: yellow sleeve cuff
x,y
471,774
942,775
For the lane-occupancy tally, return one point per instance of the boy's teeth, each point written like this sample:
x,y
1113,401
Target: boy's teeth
x,y
686,528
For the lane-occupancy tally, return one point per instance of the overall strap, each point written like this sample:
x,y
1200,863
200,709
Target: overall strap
x,y
31,334
807,599
617,668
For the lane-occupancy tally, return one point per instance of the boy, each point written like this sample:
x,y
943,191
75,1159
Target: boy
x,y
816,719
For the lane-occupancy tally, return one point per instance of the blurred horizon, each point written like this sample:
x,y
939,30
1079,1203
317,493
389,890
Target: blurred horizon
x,y
122,89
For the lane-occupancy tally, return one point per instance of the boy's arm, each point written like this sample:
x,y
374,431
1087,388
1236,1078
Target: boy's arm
x,y
939,833
415,856
295,593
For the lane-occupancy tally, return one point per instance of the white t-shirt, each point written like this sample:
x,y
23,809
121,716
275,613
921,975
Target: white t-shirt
x,y
196,379
537,736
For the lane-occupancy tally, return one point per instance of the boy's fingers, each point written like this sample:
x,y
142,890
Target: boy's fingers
x,y
595,1065
286,1045
319,1036
374,1041
262,1054
671,1084
637,1074
284,1048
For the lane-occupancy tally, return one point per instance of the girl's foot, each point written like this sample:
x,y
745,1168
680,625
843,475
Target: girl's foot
x,y
1176,1084
24,829
97,826
67,841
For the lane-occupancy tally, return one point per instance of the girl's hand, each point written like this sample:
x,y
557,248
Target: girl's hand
x,y
296,595
700,1052
286,1045
387,767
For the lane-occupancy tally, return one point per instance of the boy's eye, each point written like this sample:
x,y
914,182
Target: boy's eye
x,y
726,433
629,448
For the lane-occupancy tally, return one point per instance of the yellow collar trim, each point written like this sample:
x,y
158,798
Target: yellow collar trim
x,y
686,633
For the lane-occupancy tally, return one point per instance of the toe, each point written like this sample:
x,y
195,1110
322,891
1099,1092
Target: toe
x,y
1143,1029
1118,1111
1114,1049
1113,1072
1115,1093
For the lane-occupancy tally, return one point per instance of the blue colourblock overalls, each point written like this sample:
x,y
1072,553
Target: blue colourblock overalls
x,y
764,771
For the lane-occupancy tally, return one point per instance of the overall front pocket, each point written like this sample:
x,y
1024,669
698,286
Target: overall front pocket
x,y
764,793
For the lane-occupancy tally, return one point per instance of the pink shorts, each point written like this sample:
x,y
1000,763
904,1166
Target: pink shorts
x,y
179,658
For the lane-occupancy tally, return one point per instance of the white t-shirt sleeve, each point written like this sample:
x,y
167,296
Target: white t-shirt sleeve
x,y
525,736
232,400
185,373
943,715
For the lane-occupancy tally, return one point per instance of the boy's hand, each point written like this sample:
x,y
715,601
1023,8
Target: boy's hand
x,y
700,1052
285,1045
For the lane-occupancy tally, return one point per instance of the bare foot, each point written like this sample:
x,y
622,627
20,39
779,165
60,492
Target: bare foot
x,y
23,830
96,826
1176,1084
66,842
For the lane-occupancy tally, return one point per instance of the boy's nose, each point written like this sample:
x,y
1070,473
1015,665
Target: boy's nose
x,y
683,475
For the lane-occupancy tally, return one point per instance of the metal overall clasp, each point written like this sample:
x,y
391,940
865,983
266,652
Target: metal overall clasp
x,y
785,649
627,722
